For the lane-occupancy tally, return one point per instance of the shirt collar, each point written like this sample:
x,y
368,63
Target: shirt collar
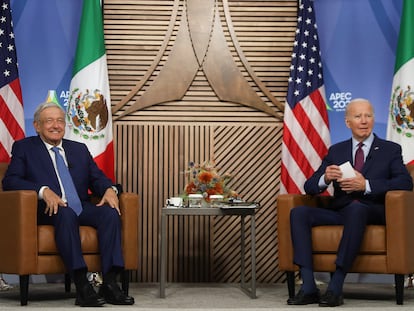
x,y
367,142
49,146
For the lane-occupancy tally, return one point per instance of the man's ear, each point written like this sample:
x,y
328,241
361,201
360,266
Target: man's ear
x,y
36,126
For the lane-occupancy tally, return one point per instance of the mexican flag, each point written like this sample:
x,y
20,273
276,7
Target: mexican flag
x,y
88,115
401,115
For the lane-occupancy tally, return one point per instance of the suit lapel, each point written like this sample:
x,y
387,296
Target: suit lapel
x,y
43,154
46,162
345,153
372,154
68,153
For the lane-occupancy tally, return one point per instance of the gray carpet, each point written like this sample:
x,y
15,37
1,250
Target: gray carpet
x,y
209,296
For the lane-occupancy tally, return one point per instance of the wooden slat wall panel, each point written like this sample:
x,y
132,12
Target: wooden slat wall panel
x,y
264,30
154,158
154,162
154,144
252,153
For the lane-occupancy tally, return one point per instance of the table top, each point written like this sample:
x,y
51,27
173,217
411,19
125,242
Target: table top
x,y
212,211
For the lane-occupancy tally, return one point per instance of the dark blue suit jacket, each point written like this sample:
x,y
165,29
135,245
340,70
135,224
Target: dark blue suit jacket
x,y
384,169
31,168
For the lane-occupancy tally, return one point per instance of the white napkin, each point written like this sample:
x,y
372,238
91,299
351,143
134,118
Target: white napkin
x,y
347,170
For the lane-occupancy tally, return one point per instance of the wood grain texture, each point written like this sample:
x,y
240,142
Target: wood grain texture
x,y
192,87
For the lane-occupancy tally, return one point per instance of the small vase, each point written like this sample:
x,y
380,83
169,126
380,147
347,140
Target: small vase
x,y
194,200
216,200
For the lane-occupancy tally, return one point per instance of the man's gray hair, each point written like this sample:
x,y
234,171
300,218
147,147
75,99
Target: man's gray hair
x,y
41,107
356,100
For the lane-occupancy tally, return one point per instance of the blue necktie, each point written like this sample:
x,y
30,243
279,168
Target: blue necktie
x,y
67,183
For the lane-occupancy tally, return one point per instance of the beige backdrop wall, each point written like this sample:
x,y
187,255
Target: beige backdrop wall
x,y
200,80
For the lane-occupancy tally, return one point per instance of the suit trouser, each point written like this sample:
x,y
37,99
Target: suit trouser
x,y
354,218
66,223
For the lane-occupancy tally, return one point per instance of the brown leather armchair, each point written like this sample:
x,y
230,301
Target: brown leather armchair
x,y
385,249
30,249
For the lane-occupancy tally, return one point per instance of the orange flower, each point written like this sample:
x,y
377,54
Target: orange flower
x,y
206,180
191,188
211,191
218,188
205,177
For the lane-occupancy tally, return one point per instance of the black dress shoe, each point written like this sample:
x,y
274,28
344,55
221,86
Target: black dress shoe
x,y
304,299
329,299
114,295
87,297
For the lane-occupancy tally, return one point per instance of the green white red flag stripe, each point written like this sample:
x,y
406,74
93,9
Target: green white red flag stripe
x,y
400,127
89,118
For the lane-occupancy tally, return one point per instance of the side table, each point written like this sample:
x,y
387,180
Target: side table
x,y
241,211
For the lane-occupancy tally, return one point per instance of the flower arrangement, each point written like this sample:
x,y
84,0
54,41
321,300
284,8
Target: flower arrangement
x,y
204,179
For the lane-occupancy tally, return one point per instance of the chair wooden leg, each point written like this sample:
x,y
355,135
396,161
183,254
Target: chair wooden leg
x,y
24,289
67,282
125,281
290,278
399,288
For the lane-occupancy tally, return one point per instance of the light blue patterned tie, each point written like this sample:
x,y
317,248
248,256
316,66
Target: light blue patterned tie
x,y
67,182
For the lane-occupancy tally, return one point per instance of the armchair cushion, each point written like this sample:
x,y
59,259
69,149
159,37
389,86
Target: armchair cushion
x,y
325,239
47,245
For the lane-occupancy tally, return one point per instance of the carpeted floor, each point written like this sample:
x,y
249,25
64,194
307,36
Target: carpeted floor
x,y
208,296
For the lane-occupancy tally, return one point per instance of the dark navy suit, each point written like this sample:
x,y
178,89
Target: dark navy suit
x,y
383,168
31,168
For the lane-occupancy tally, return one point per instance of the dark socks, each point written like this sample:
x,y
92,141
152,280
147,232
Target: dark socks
x,y
80,278
111,276
308,285
337,281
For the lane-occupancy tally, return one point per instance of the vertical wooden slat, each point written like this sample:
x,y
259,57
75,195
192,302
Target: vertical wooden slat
x,y
154,145
201,248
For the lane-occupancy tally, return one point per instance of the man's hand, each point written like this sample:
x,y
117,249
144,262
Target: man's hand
x,y
332,172
356,183
53,201
111,199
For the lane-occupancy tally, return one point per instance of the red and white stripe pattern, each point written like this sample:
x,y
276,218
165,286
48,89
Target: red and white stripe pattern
x,y
11,103
11,118
306,136
306,140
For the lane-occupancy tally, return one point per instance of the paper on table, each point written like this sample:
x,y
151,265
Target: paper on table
x,y
347,170
239,206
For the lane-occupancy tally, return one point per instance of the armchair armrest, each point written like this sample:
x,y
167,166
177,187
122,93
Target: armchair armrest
x,y
399,213
285,202
129,205
18,232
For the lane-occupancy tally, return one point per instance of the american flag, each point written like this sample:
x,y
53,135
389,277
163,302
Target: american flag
x,y
11,103
306,137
